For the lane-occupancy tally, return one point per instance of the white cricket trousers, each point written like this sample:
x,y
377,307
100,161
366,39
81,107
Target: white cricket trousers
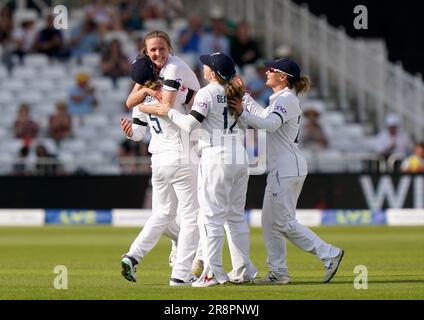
x,y
222,197
279,223
173,187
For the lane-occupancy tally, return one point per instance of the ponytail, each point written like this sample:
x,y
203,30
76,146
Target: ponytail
x,y
302,85
234,90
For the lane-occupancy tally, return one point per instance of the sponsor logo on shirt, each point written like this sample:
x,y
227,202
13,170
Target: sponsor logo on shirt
x,y
281,109
201,104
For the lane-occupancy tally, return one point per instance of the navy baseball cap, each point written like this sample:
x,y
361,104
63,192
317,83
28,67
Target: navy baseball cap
x,y
142,70
221,63
288,66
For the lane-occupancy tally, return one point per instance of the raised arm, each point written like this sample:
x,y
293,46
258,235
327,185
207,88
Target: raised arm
x,y
139,93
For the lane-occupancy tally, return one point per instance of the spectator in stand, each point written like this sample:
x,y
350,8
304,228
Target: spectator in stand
x,y
312,135
24,127
244,49
132,15
20,167
189,37
154,9
82,99
415,162
46,163
85,39
6,23
115,63
103,14
216,39
6,28
393,141
50,40
60,123
24,38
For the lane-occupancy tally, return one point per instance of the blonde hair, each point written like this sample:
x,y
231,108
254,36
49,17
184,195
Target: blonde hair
x,y
157,34
150,84
235,91
302,85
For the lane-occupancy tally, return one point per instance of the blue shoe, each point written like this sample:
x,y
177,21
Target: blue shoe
x,y
128,266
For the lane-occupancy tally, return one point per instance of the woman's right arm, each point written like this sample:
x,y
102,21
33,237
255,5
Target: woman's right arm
x,y
248,102
253,107
139,93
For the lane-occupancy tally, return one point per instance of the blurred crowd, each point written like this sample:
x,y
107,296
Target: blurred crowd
x,y
36,34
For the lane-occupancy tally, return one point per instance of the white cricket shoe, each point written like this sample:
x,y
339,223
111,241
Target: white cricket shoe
x,y
273,277
204,282
331,270
243,277
178,282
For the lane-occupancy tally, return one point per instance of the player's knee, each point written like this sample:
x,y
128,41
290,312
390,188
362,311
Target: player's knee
x,y
240,226
214,230
166,218
288,227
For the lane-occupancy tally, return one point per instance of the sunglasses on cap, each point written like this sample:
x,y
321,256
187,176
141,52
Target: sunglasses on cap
x,y
274,70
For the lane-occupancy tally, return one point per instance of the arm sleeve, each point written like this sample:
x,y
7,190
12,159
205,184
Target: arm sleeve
x,y
139,125
253,107
170,82
199,111
186,122
139,131
286,108
270,123
242,124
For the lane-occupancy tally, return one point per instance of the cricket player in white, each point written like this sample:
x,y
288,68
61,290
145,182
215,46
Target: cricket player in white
x,y
287,172
173,181
223,175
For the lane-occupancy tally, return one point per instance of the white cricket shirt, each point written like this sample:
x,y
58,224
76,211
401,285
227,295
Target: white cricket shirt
x,y
282,121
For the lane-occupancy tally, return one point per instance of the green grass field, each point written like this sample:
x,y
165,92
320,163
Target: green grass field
x,y
394,257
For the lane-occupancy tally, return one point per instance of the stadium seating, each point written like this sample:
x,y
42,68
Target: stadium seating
x,y
41,83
